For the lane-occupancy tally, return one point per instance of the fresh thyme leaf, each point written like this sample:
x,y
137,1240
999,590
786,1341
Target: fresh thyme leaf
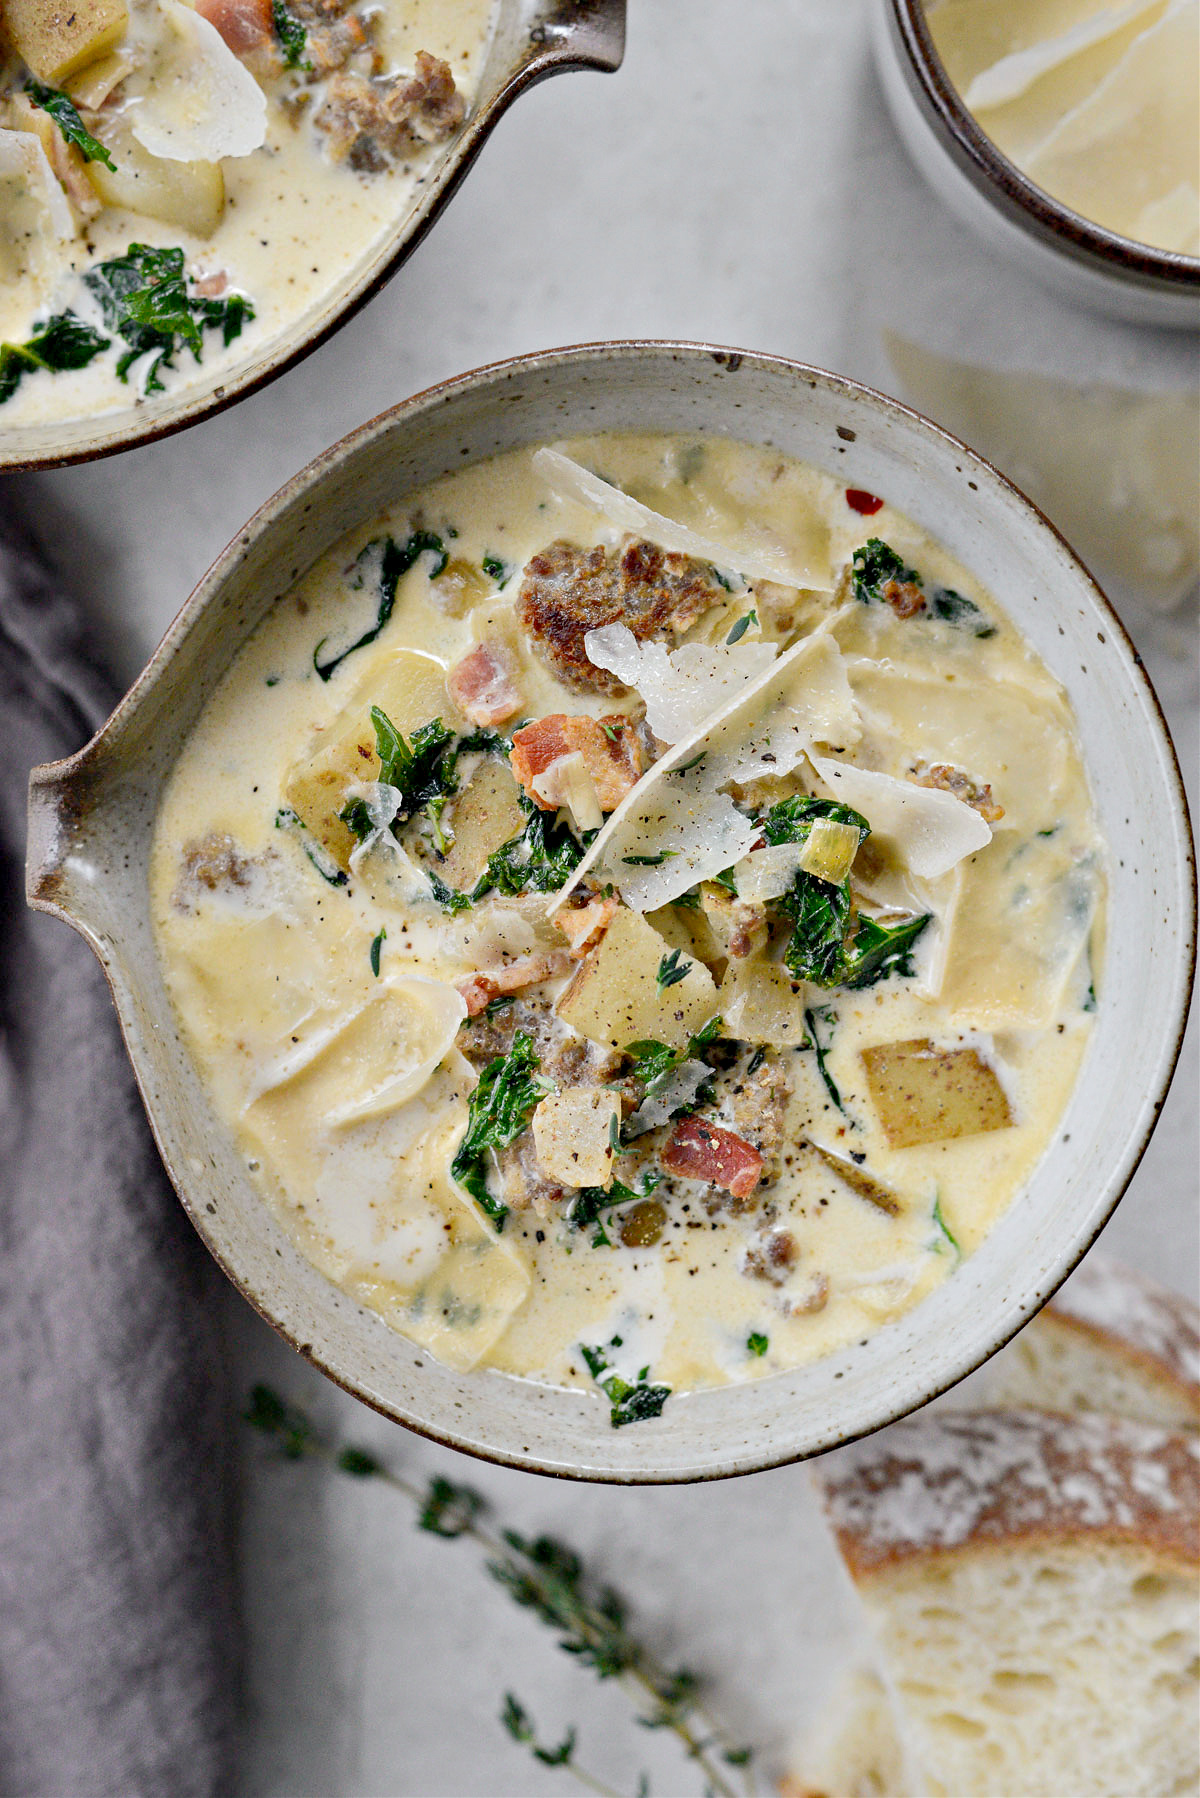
x,y
688,766
649,861
288,1428
144,297
671,971
873,566
499,1109
63,111
757,1343
500,1003
448,1510
630,1403
516,1721
358,1463
318,855
826,1015
377,943
293,38
879,950
63,342
943,1227
1089,1003
501,572
741,627
395,560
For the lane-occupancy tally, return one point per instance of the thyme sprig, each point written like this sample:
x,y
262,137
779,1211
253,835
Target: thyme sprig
x,y
546,1577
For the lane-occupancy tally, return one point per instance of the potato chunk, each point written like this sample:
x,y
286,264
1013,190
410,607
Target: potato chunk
x,y
189,195
616,996
56,39
761,1004
411,689
485,815
573,1133
926,1094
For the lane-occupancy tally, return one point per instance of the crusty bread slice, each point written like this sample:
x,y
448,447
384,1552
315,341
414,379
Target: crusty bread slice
x,y
1032,1581
1110,1340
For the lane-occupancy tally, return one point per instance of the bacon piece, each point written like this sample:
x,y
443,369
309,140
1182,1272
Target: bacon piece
x,y
704,1151
478,990
584,925
859,500
610,748
483,685
244,24
952,780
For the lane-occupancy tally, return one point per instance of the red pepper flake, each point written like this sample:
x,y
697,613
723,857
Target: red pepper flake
x,y
859,500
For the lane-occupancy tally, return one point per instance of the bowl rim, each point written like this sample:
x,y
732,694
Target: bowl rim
x,y
208,590
1006,185
550,48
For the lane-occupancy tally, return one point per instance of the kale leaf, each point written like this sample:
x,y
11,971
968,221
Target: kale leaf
x,y
416,770
956,609
873,566
630,1403
541,859
63,342
878,950
318,855
655,1062
824,1014
395,559
63,111
293,39
819,910
498,1111
591,1203
143,297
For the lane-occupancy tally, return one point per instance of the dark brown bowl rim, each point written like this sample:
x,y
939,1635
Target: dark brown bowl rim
x,y
1002,182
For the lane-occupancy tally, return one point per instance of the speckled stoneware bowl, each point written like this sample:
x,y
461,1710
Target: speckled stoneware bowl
x,y
531,40
1060,248
91,820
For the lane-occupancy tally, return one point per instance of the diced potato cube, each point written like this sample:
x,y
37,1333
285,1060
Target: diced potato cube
x,y
573,1133
56,37
484,816
926,1094
411,689
739,926
459,586
830,850
616,997
685,927
760,1003
859,1181
93,84
189,195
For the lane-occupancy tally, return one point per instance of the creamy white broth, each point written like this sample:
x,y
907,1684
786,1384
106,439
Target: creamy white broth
x,y
300,1041
294,222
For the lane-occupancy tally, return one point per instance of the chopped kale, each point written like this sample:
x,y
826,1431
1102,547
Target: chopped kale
x,y
293,38
655,1062
873,566
63,342
415,769
498,1111
591,1204
820,918
318,855
954,608
501,572
448,897
63,111
671,971
541,859
395,560
630,1404
357,819
757,1343
143,296
791,821
823,1014
879,950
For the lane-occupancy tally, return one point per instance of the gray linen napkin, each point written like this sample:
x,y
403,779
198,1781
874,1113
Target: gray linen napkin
x,y
118,1644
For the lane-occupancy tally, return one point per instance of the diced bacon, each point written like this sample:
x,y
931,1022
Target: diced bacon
x,y
483,685
610,749
244,24
703,1151
478,990
586,924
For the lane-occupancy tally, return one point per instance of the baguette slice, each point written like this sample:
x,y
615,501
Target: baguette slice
x,y
1111,1340
1032,1583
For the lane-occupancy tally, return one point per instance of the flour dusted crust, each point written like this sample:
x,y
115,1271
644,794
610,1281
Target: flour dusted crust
x,y
937,1485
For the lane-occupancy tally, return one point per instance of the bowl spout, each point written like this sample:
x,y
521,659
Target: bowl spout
x,y
60,872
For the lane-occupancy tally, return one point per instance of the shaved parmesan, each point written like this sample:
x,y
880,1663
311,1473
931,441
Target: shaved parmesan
x,y
29,194
929,828
683,687
698,832
811,703
566,782
677,1090
199,102
574,1132
1013,75
758,552
767,873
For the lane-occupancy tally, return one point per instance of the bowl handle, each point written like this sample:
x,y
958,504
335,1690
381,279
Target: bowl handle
x,y
578,34
57,879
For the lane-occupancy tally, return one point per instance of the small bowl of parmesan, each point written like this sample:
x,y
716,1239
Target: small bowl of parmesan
x,y
1064,133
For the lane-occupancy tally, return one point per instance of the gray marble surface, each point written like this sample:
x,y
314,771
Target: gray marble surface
x,y
738,182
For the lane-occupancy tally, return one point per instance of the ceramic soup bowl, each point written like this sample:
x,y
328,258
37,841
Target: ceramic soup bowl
x,y
92,818
530,40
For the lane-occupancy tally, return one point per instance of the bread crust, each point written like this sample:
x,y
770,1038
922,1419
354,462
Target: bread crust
x,y
945,1484
1155,1331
